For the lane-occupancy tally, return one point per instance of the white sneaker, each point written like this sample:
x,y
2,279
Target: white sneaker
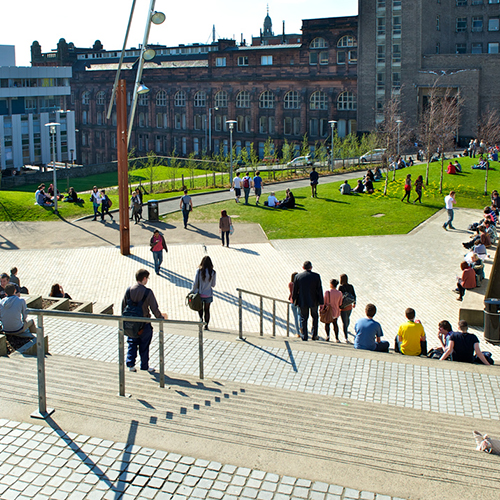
x,y
150,370
132,369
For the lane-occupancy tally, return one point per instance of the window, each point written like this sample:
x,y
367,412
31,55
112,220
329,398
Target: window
x,y
493,48
461,3
347,41
177,121
220,61
438,48
266,99
461,24
142,120
318,100
318,43
341,57
296,126
477,23
460,48
242,60
200,99
477,48
30,104
180,98
353,56
243,99
161,120
287,126
396,4
438,28
84,117
291,100
494,1
248,123
240,123
493,24
143,99
323,57
221,99
381,53
198,122
266,60
263,125
381,4
396,53
380,81
86,97
346,101
477,2
161,98
396,25
396,80
380,26
100,98
313,126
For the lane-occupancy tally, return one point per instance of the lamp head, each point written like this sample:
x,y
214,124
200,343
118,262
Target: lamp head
x,y
158,17
149,54
142,89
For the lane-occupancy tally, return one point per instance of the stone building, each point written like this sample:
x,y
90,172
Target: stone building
x,y
407,46
278,90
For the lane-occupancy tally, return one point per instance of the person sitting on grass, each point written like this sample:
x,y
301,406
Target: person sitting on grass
x,y
288,202
52,194
41,198
359,188
451,169
410,339
377,174
458,167
272,201
72,196
369,186
466,282
345,188
369,332
464,346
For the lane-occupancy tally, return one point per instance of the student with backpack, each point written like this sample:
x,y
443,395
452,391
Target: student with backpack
x,y
138,302
247,185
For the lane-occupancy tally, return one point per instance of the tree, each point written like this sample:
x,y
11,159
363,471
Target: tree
x,y
287,152
269,151
488,130
305,150
150,165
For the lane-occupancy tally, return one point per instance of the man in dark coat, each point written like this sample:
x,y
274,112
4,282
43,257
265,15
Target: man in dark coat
x,y
308,295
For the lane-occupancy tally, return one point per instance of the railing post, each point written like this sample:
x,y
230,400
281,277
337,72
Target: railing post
x,y
162,356
288,320
274,318
200,347
121,359
240,314
261,316
43,411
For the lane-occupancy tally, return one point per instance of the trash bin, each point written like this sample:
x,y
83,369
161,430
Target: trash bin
x,y
492,320
153,210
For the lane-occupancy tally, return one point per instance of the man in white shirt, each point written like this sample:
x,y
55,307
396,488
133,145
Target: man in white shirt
x,y
449,201
272,200
237,187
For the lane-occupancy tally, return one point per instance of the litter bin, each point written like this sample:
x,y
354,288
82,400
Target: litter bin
x,y
492,320
153,210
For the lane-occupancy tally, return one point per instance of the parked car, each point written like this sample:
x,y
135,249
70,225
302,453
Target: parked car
x,y
270,160
300,161
372,156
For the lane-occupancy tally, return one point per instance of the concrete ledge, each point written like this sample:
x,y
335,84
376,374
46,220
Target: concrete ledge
x,y
30,349
84,307
103,309
3,345
33,302
58,305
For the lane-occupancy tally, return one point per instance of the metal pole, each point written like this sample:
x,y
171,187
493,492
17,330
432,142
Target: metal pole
x,y
121,136
240,314
43,411
332,148
288,320
162,357
121,359
261,317
54,179
274,318
200,346
210,129
231,154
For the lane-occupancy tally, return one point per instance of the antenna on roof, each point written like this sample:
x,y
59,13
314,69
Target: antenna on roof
x,y
213,34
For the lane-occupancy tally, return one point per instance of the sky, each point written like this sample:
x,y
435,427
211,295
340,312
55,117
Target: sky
x,y
188,21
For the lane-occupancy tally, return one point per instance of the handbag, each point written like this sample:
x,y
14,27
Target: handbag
x,y
231,229
326,314
193,299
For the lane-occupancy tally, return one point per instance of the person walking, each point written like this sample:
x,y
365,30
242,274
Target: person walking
x,y
348,303
407,189
247,185
136,203
157,244
295,308
333,300
237,187
314,180
257,184
308,295
203,283
419,185
186,205
449,201
106,204
96,200
225,227
135,294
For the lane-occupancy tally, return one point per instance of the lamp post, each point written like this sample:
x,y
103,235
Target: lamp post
x,y
399,122
231,127
332,124
210,127
53,131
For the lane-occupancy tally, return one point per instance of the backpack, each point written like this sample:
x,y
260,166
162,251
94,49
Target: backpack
x,y
110,203
133,329
347,300
246,183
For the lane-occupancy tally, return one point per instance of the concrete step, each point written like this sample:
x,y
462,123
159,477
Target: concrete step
x,y
405,452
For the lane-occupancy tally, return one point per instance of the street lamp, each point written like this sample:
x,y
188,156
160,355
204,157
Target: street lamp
x,y
53,131
399,122
332,124
210,127
231,127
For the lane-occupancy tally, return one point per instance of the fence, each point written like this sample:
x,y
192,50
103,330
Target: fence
x,y
43,411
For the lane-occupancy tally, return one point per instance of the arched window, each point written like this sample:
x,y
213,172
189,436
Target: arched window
x,y
161,98
291,100
266,100
180,98
318,43
346,101
243,99
221,99
347,41
318,100
100,98
200,99
144,99
86,97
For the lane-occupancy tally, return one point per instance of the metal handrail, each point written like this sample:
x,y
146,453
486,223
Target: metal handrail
x,y
43,411
261,307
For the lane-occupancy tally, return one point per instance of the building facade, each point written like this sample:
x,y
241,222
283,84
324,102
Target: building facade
x,y
273,90
408,46
30,98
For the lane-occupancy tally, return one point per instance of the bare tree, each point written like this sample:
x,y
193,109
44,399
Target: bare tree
x,y
488,131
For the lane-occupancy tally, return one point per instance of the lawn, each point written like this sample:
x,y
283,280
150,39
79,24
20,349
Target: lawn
x,y
332,214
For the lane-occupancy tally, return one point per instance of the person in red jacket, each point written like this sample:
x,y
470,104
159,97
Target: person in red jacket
x,y
467,281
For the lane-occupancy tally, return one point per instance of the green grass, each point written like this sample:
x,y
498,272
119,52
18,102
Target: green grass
x,y
332,214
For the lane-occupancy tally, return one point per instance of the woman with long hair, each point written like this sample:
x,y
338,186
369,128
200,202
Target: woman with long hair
x,y
295,309
419,183
348,295
407,189
333,299
203,283
56,290
225,227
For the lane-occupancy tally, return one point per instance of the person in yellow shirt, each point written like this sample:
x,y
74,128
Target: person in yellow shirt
x,y
411,336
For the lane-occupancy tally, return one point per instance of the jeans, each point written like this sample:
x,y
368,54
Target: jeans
x,y
158,259
304,315
247,194
382,346
185,215
226,234
96,210
448,223
142,343
296,316
345,315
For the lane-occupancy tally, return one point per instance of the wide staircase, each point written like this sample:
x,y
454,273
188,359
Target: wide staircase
x,y
395,449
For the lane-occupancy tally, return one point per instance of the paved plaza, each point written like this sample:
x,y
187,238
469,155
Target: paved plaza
x,y
394,272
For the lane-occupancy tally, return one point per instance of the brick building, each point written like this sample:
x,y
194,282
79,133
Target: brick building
x,y
408,45
274,89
